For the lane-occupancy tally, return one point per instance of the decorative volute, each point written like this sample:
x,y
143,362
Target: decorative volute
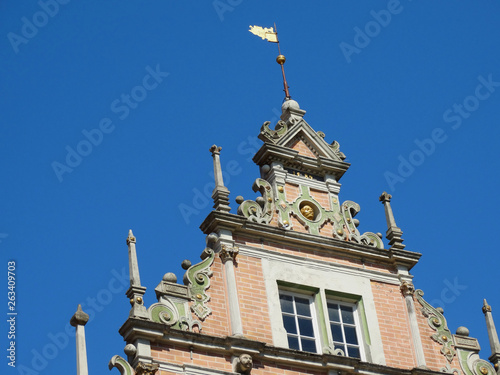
x,y
299,182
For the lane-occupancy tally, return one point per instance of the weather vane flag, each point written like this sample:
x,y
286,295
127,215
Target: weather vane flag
x,y
272,36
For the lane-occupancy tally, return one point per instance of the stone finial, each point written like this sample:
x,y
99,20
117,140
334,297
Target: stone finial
x,y
244,364
79,318
393,233
136,291
220,194
493,336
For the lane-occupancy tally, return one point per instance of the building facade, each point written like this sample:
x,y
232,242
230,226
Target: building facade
x,y
288,285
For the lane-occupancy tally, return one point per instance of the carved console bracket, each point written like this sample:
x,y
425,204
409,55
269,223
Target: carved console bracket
x,y
437,322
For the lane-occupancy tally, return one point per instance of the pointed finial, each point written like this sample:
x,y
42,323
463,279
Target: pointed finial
x,y
78,320
220,194
136,291
492,334
393,233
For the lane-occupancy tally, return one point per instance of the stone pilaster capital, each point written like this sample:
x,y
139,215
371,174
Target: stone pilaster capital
x,y
146,368
228,253
407,288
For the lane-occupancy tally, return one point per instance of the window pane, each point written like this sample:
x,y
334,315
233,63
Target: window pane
x,y
289,324
347,314
286,303
308,345
293,343
354,352
333,312
350,335
302,306
336,332
306,327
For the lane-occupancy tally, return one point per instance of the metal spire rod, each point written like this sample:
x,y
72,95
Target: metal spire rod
x,y
281,60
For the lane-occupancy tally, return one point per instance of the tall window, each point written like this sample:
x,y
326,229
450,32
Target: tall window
x,y
299,321
344,326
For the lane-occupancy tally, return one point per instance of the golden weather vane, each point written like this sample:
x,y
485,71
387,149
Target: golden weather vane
x,y
272,36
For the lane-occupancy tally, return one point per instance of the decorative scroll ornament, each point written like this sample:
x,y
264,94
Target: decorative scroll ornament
x,y
448,370
335,146
279,131
174,314
308,212
260,210
330,349
473,365
437,322
197,278
122,365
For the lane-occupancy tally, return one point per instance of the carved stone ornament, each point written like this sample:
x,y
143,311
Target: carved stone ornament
x,y
330,349
448,370
407,288
146,368
174,314
279,131
228,253
122,365
335,146
472,364
340,216
197,278
437,322
244,364
260,210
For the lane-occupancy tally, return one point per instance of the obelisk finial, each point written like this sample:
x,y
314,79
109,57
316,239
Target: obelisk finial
x,y
136,291
272,36
393,233
493,336
220,193
78,320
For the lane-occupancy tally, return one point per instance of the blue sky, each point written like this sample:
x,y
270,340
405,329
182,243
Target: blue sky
x,y
92,147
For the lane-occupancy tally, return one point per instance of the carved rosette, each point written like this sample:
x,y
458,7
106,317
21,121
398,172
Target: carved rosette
x,y
437,322
260,210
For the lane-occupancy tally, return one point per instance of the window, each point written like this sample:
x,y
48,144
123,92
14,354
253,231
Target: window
x,y
299,321
344,326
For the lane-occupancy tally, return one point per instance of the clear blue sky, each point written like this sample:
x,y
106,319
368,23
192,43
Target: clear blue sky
x,y
413,101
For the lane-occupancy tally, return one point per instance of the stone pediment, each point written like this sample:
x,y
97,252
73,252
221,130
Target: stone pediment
x,y
293,132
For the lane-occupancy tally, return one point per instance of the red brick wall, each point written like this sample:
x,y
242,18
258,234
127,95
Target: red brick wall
x,y
322,198
253,299
291,192
302,148
394,325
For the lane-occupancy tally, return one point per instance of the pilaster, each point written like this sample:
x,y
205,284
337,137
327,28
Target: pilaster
x,y
407,289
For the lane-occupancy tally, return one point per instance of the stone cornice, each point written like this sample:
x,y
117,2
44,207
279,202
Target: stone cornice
x,y
134,329
239,225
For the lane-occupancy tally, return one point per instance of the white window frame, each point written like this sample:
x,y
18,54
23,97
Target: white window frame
x,y
314,317
357,325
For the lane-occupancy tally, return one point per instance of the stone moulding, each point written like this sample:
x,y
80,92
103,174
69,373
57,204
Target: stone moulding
x,y
437,322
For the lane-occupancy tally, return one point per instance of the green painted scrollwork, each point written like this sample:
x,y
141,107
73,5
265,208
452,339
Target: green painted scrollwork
x,y
437,322
260,210
197,278
273,135
122,365
473,365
